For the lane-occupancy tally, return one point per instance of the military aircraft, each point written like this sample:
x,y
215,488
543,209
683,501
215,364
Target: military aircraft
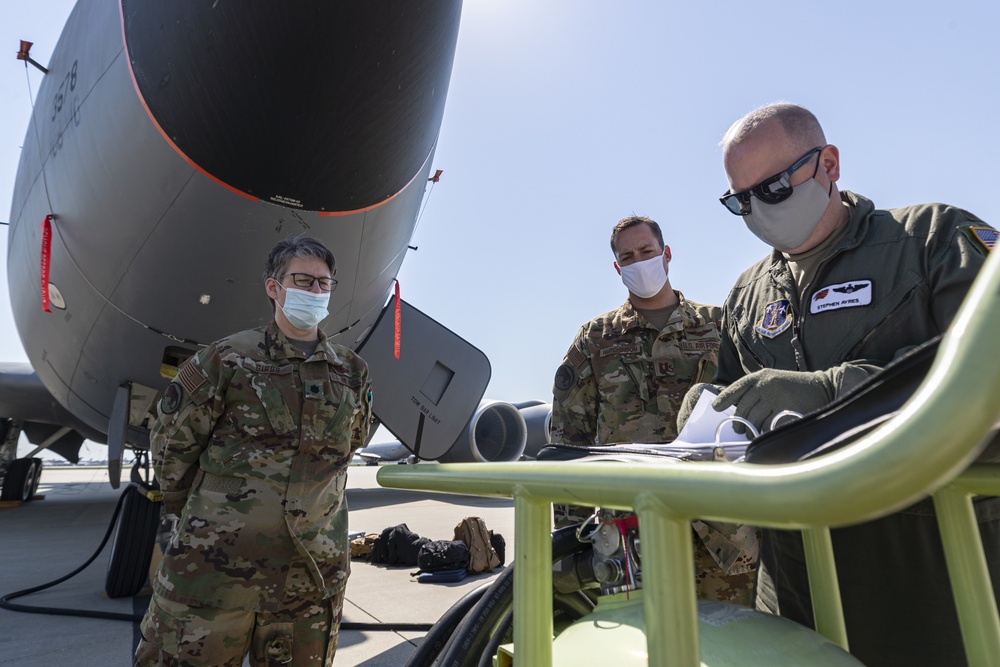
x,y
171,145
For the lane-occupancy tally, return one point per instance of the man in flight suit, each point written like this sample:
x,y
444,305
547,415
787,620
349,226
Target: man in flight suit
x,y
251,448
848,288
623,380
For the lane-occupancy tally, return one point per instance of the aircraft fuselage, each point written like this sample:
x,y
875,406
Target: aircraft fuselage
x,y
175,143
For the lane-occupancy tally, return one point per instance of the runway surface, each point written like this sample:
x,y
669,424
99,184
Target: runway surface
x,y
45,539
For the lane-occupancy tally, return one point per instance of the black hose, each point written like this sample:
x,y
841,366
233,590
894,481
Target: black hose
x,y
435,640
30,609
486,659
473,636
387,627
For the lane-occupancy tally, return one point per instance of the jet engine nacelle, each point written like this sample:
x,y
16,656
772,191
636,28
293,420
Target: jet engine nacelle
x,y
496,432
537,417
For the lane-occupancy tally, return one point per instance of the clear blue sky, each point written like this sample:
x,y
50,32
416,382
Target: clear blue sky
x,y
564,116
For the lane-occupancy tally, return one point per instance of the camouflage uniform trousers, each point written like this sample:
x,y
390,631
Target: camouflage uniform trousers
x,y
302,633
710,581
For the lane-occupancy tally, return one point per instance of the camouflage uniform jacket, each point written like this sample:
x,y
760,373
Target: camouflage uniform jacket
x,y
251,448
622,380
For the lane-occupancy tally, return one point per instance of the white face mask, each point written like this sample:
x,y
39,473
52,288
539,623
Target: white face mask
x,y
645,278
788,224
304,309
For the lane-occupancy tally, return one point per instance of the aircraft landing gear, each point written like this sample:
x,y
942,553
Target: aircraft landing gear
x,y
21,480
135,535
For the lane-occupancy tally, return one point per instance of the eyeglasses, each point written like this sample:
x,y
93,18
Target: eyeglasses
x,y
771,190
305,281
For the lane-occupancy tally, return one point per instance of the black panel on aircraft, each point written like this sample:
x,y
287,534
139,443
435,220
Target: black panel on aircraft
x,y
343,144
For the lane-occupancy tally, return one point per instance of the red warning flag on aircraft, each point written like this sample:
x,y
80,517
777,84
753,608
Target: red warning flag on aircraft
x,y
395,342
46,255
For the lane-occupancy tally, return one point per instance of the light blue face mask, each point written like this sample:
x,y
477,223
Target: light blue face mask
x,y
304,309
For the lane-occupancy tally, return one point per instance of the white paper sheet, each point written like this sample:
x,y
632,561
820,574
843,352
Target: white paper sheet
x,y
703,422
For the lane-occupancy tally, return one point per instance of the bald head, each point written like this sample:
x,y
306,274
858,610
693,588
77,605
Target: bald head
x,y
799,126
763,147
767,140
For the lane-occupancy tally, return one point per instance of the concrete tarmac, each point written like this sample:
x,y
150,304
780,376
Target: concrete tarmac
x,y
45,539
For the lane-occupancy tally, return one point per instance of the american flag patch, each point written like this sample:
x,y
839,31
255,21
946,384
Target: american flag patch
x,y
985,235
189,377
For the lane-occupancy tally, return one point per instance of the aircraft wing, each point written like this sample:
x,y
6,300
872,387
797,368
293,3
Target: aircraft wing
x,y
24,399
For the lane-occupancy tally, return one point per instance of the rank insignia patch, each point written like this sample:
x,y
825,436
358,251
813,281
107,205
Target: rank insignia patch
x,y
171,398
777,318
565,377
664,368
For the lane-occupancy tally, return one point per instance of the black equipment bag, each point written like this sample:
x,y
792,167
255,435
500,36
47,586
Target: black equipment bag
x,y
443,555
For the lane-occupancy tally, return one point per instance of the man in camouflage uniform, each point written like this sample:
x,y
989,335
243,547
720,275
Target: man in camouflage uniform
x,y
623,380
251,448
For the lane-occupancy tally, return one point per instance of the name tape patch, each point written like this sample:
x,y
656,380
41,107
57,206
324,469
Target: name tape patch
x,y
843,295
620,350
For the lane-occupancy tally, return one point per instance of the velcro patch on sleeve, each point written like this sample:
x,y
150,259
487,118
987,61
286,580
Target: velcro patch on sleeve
x,y
565,378
171,398
986,236
576,357
190,377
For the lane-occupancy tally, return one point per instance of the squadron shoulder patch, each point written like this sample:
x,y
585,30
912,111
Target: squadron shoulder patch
x,y
777,318
565,377
987,236
171,398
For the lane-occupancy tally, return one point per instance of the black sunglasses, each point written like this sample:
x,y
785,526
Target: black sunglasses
x,y
771,190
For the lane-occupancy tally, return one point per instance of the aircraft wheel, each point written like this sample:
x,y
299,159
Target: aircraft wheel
x,y
132,547
36,477
21,480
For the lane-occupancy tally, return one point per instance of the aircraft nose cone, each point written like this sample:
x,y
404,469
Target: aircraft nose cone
x,y
324,106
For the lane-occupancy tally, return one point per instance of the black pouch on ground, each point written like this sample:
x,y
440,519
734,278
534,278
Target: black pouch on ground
x,y
443,555
397,545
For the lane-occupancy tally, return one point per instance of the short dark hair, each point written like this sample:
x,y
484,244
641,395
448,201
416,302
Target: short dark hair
x,y
302,247
632,221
